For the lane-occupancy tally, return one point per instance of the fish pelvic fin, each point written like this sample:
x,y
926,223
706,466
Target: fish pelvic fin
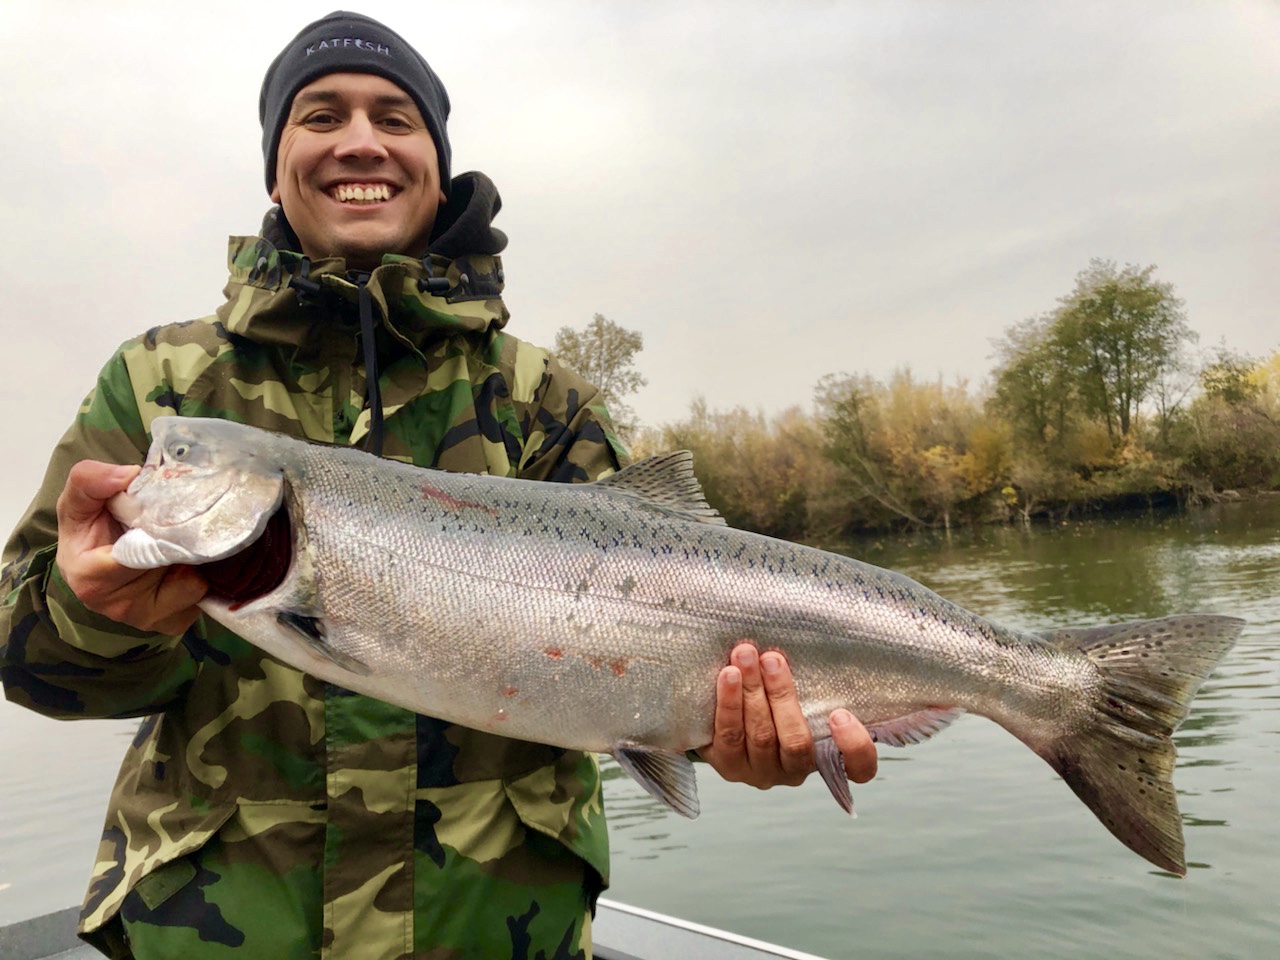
x,y
667,776
830,763
666,482
1122,768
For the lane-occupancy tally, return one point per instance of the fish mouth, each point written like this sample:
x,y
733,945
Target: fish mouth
x,y
257,569
127,506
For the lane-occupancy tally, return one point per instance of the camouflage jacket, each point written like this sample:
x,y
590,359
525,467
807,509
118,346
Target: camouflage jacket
x,y
383,818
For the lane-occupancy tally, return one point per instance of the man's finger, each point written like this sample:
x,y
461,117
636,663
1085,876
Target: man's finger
x,y
726,752
162,600
757,717
89,486
855,743
795,744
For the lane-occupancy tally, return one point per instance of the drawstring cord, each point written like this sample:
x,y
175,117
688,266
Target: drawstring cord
x,y
373,393
309,292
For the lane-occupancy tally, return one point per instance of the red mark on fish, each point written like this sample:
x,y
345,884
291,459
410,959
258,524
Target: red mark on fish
x,y
619,666
509,691
432,493
555,653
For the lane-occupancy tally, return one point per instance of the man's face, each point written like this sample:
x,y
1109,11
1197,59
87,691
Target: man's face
x,y
356,171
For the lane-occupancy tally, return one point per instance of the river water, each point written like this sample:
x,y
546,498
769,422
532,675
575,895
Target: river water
x,y
967,846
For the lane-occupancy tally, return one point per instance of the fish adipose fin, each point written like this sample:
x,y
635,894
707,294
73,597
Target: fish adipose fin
x,y
667,776
311,630
665,481
1122,768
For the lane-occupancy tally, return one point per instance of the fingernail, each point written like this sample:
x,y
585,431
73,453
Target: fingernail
x,y
771,665
841,718
747,657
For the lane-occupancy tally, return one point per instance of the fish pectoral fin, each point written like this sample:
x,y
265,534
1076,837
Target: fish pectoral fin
x,y
913,727
312,630
831,766
666,775
666,483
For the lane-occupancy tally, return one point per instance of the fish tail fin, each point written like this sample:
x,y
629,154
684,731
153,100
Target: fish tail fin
x,y
1122,767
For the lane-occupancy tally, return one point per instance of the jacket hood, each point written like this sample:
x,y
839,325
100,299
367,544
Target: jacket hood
x,y
275,295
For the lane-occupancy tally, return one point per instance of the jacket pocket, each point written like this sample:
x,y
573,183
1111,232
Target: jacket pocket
x,y
563,801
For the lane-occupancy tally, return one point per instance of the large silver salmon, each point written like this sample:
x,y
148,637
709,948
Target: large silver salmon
x,y
596,617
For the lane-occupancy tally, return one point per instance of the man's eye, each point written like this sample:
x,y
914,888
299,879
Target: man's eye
x,y
320,120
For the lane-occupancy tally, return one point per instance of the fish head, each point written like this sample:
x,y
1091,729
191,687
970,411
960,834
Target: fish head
x,y
206,491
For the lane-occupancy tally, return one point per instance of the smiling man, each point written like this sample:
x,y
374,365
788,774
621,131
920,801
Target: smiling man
x,y
357,170
259,811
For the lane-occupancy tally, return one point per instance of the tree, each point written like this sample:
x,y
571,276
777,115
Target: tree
x,y
905,448
604,353
1033,383
1122,330
1231,376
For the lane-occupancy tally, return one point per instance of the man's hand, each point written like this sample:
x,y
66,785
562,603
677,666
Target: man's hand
x,y
162,601
761,736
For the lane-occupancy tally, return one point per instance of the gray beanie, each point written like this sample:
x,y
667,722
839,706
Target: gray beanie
x,y
350,43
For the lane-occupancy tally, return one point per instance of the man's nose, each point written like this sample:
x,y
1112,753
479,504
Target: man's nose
x,y
360,140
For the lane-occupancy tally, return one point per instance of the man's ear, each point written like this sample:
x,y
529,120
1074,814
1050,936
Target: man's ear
x,y
275,192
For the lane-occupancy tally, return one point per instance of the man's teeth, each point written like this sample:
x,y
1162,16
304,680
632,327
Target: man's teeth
x,y
365,193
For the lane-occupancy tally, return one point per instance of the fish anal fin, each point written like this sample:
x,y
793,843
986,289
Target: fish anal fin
x,y
831,765
665,482
667,776
914,727
312,631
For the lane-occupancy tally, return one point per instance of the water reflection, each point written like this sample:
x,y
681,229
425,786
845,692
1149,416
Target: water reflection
x,y
1099,571
632,816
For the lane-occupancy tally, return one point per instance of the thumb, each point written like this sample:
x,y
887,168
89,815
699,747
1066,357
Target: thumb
x,y
90,484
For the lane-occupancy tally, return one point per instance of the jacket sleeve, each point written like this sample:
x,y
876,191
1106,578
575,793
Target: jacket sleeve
x,y
56,656
570,437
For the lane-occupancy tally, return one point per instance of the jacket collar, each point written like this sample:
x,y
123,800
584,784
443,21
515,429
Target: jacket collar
x,y
277,296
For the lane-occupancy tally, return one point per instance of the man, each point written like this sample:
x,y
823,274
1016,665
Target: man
x,y
261,812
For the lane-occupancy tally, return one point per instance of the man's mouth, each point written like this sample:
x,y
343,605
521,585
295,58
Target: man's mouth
x,y
361,192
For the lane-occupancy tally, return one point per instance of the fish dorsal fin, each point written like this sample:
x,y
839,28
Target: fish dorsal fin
x,y
913,727
665,481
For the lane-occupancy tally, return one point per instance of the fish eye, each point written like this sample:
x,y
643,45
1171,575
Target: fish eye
x,y
180,450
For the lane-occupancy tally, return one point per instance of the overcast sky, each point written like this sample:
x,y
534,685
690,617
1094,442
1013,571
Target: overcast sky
x,y
769,192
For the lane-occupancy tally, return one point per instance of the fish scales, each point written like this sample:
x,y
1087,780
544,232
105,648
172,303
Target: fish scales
x,y
597,617
652,633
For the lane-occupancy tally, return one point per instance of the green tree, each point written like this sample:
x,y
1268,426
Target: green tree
x,y
1034,382
1231,376
1123,330
605,353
